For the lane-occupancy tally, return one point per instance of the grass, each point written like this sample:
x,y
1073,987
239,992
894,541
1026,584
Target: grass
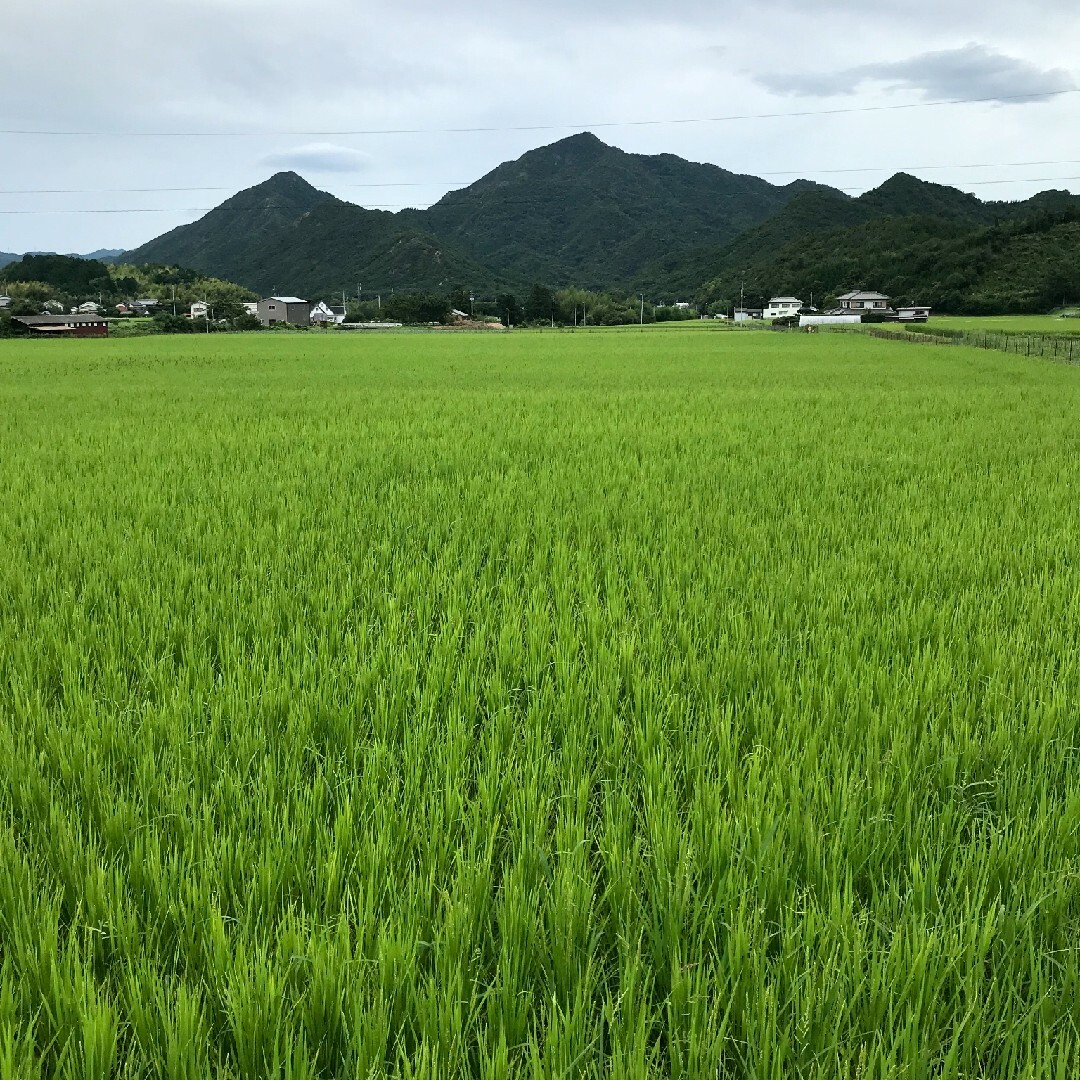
x,y
1015,324
556,706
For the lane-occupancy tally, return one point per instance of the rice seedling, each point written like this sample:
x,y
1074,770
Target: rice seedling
x,y
670,705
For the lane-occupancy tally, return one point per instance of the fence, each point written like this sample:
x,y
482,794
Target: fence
x,y
1063,348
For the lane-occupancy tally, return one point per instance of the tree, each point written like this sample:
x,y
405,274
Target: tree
x,y
509,309
540,306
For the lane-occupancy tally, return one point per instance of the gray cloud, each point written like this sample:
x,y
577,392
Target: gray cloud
x,y
320,157
973,71
496,65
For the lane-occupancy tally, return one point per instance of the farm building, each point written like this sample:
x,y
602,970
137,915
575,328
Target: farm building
x,y
5,302
780,307
290,310
913,313
66,326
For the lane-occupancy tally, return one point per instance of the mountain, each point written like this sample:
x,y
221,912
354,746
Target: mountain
x,y
105,255
1024,262
7,257
579,212
286,236
575,212
226,236
817,228
582,212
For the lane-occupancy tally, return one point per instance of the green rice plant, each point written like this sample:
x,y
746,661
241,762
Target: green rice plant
x,y
538,705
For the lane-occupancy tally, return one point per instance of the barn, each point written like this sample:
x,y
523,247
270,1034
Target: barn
x,y
61,326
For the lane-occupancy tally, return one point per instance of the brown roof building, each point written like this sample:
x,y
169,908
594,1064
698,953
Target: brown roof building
x,y
66,326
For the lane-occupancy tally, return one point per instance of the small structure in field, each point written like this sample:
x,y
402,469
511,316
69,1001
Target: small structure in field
x,y
781,307
286,310
913,313
62,326
850,319
746,314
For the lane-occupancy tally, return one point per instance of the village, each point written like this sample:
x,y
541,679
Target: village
x,y
92,319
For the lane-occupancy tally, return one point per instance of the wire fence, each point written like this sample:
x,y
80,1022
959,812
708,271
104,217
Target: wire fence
x,y
1063,348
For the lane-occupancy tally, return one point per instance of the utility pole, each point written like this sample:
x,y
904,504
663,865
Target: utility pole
x,y
642,309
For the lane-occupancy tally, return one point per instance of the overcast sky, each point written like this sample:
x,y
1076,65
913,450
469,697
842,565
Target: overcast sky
x,y
256,70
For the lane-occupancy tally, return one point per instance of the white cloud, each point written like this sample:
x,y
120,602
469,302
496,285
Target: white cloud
x,y
319,157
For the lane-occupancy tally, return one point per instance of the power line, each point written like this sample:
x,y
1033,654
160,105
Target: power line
x,y
538,127
453,184
159,190
920,168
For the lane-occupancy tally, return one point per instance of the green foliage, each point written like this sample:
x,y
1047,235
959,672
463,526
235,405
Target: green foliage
x,y
666,704
84,277
417,308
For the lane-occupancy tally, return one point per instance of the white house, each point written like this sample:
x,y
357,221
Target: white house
x,y
325,314
251,309
860,301
780,307
89,308
200,309
5,301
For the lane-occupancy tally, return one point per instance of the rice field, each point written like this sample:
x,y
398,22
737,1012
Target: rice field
x,y
658,705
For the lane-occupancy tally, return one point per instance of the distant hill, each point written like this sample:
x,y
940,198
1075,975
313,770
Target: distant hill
x,y
286,236
7,257
579,212
575,212
1025,262
824,242
584,213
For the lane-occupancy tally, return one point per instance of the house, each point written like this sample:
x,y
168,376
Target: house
x,y
913,313
746,314
780,307
89,308
682,305
62,326
289,310
861,302
5,302
325,314
145,307
200,309
251,309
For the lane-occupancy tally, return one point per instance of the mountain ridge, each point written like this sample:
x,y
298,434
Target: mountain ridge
x,y
575,212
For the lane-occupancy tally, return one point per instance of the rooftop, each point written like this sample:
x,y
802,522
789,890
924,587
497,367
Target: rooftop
x,y
287,299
